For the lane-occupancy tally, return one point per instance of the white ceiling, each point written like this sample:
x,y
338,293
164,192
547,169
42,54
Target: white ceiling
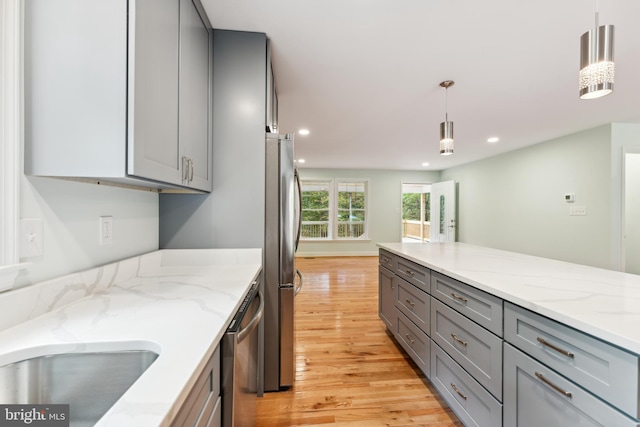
x,y
363,75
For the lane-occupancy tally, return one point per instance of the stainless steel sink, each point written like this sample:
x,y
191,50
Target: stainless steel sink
x,y
89,382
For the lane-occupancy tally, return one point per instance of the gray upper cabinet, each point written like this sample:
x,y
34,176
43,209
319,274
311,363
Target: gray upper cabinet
x,y
125,98
272,96
196,91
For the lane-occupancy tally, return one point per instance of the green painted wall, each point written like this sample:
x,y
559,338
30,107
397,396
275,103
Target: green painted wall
x,y
515,201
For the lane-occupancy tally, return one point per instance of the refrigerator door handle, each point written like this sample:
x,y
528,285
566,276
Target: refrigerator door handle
x,y
299,287
299,188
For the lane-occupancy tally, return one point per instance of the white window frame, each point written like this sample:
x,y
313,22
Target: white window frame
x,y
334,216
332,234
10,138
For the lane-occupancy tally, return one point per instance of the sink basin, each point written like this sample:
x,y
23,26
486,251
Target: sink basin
x,y
89,382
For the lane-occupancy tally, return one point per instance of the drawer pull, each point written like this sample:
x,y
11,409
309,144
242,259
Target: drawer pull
x,y
553,347
453,386
552,385
385,259
409,272
455,337
458,297
409,338
412,304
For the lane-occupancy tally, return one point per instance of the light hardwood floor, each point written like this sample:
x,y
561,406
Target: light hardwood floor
x,y
349,370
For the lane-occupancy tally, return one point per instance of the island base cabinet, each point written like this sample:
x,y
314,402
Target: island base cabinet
x,y
471,402
535,396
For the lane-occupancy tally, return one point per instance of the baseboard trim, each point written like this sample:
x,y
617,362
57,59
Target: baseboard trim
x,y
336,253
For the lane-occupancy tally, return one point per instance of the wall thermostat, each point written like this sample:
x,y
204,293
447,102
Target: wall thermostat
x,y
569,197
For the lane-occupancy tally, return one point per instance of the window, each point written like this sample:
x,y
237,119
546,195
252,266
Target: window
x,y
352,198
315,209
334,210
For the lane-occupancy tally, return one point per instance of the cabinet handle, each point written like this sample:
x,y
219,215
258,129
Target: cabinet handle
x,y
191,168
458,297
453,386
409,272
409,338
412,304
385,259
185,168
552,385
553,347
455,337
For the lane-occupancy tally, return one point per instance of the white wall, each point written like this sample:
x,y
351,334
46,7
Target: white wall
x,y
70,212
515,201
385,201
632,213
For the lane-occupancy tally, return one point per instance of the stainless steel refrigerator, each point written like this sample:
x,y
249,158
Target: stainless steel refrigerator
x,y
282,281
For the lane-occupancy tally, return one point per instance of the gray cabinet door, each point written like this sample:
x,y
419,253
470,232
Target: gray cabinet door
x,y
153,90
386,297
535,395
194,132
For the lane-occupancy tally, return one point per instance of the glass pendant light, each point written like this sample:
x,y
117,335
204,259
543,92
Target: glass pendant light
x,y
597,68
446,127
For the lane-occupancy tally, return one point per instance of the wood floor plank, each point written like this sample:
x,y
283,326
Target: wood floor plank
x,y
349,370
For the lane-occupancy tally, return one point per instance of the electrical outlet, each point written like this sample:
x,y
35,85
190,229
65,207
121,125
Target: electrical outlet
x,y
577,210
106,230
31,238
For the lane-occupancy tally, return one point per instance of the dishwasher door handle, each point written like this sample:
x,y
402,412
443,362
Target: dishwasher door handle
x,y
243,333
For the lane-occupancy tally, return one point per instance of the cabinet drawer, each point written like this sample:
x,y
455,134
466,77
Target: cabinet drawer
x,y
414,303
415,342
477,305
387,260
477,350
468,399
414,273
534,396
601,368
215,420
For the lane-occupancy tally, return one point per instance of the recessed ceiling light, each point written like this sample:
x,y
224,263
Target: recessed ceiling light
x,y
425,164
303,131
493,140
301,160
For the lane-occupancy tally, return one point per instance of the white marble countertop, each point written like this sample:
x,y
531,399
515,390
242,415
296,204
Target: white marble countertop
x,y
177,303
602,303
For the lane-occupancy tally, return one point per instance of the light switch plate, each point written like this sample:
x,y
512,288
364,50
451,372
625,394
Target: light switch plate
x,y
577,210
31,239
106,230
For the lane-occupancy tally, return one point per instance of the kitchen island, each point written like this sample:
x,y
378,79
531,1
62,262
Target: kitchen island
x,y
176,303
516,340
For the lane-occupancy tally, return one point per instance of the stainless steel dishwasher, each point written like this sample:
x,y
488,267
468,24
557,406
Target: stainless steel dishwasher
x,y
240,362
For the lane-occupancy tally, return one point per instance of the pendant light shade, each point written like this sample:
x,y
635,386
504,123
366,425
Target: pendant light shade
x,y
597,68
446,138
446,127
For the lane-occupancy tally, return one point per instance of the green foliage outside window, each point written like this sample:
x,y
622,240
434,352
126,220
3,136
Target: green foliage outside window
x,y
411,207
